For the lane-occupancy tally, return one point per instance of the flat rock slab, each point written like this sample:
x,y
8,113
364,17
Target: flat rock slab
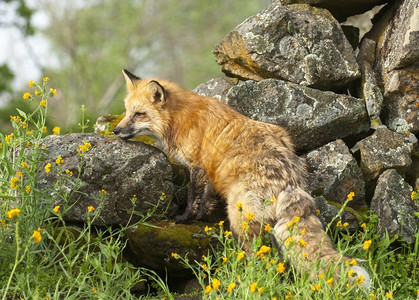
x,y
312,117
122,169
297,43
394,207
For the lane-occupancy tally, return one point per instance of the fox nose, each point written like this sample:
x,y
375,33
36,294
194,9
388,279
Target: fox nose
x,y
116,130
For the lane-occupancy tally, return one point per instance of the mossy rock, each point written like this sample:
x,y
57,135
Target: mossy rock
x,y
152,245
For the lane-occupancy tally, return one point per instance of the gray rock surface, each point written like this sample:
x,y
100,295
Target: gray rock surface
x,y
340,9
297,43
215,88
312,117
334,173
394,207
122,169
397,64
386,149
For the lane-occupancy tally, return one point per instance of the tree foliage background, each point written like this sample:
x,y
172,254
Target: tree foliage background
x,y
93,40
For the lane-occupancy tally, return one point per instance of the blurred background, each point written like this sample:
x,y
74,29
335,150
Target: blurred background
x,y
83,46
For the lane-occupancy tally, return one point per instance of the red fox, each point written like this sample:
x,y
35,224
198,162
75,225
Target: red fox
x,y
251,164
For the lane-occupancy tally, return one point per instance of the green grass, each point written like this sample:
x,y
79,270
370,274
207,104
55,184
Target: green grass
x,y
42,257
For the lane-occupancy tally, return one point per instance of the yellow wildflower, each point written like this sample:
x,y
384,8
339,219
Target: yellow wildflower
x,y
231,286
273,200
260,291
43,103
36,236
263,249
302,243
216,284
351,196
44,129
102,192
293,221
346,224
84,148
268,228
13,182
245,226
225,259
28,189
330,281
315,287
239,205
69,173
90,208
360,280
13,213
414,195
32,83
26,95
240,255
56,209
280,267
56,130
353,262
367,244
208,289
53,92
389,295
363,225
372,296
45,79
9,137
59,160
48,168
227,233
350,273
207,229
174,255
221,223
253,287
339,223
317,212
250,216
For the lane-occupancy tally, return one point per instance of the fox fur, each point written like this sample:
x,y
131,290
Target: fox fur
x,y
251,164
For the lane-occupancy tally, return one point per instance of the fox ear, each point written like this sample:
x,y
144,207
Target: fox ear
x,y
158,92
130,79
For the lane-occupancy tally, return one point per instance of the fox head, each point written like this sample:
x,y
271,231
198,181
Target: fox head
x,y
145,112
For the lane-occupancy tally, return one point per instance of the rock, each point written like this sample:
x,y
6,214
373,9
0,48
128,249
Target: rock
x,y
371,94
394,207
122,169
397,64
386,149
312,117
340,9
152,245
215,88
334,173
297,43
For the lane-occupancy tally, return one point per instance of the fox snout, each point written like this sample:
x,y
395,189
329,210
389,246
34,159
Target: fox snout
x,y
122,132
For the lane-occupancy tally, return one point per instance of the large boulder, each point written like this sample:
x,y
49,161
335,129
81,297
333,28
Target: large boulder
x,y
312,117
297,43
394,207
334,173
112,175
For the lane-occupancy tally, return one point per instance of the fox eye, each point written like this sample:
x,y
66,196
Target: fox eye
x,y
138,115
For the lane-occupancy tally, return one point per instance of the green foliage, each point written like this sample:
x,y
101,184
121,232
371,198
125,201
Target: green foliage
x,y
41,256
229,273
